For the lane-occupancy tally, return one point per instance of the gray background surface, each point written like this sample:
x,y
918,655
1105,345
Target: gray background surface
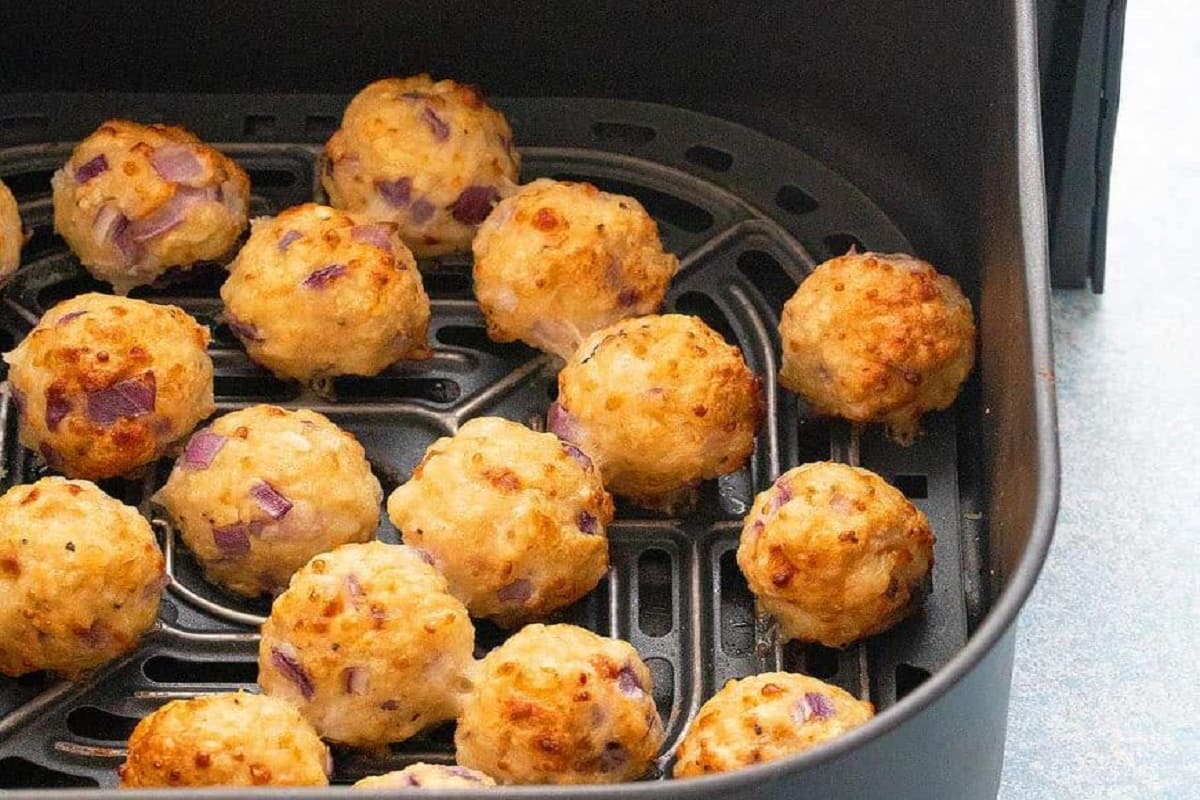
x,y
1106,696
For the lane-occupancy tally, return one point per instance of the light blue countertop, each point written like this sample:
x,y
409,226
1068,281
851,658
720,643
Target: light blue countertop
x,y
1106,688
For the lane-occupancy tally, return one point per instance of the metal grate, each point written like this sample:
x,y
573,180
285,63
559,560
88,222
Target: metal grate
x,y
742,211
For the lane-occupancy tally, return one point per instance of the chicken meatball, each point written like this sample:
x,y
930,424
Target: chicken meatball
x,y
262,490
430,156
835,553
12,236
877,338
514,519
559,704
318,292
369,644
660,403
81,576
105,385
427,776
558,261
136,200
764,718
228,739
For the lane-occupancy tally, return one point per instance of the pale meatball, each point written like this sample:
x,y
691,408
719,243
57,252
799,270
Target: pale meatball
x,y
228,739
559,704
430,156
877,338
318,292
558,260
12,236
136,200
262,490
660,403
81,576
764,718
514,519
835,553
427,776
105,385
369,644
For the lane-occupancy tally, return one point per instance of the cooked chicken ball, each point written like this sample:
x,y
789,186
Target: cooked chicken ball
x,y
660,403
229,739
369,644
136,200
105,385
430,156
262,490
11,234
877,338
764,718
559,260
514,519
835,553
427,776
80,577
559,704
318,292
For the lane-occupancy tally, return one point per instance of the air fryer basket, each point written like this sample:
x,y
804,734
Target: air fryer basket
x,y
749,214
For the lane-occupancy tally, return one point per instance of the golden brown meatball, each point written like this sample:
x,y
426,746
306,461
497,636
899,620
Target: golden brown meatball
x,y
557,261
368,643
660,403
430,156
317,293
81,576
229,739
835,553
105,385
559,704
262,490
877,338
12,236
135,200
514,519
764,718
427,776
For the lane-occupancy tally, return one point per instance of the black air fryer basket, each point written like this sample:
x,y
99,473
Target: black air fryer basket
x,y
763,141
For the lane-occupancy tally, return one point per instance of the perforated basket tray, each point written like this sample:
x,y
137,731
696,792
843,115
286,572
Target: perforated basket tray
x,y
748,217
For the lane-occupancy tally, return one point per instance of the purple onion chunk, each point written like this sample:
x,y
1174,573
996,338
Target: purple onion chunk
x,y
421,211
614,757
574,452
628,297
324,276
562,423
377,234
269,500
57,407
287,240
813,705
243,330
92,168
127,399
441,131
171,214
474,204
176,162
291,669
587,523
397,193
202,448
65,318
629,683
112,227
355,680
232,540
353,587
463,772
516,592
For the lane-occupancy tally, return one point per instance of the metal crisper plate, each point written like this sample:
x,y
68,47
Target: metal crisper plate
x,y
744,213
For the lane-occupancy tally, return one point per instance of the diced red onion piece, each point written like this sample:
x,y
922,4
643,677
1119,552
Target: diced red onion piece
x,y
395,193
516,592
441,131
575,453
628,297
464,773
176,162
91,169
378,234
411,780
474,204
813,705
233,540
243,330
202,448
171,214
269,500
132,397
353,587
290,668
57,407
354,680
629,683
614,757
97,636
323,276
112,227
421,211
287,240
65,318
562,423
587,523
425,556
